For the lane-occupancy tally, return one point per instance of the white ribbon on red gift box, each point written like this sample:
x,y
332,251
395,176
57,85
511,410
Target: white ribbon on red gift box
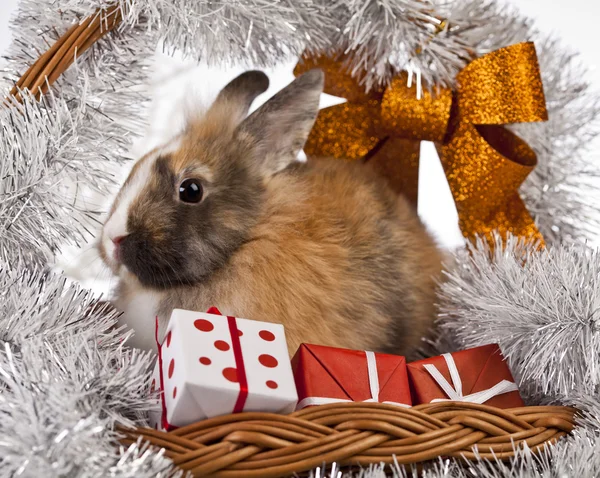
x,y
373,386
455,394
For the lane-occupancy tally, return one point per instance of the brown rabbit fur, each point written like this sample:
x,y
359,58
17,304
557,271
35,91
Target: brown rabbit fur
x,y
324,247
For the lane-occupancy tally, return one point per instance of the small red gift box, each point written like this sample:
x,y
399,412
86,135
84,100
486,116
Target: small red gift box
x,y
478,375
331,375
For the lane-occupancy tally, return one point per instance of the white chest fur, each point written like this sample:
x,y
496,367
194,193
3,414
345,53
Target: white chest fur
x,y
140,309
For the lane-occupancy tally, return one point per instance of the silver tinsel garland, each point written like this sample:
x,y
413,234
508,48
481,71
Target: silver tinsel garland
x,y
521,298
43,163
66,378
66,375
60,155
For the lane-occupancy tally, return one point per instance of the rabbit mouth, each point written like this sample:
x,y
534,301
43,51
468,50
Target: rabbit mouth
x,y
153,267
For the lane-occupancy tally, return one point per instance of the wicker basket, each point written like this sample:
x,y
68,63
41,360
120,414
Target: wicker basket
x,y
268,445
49,66
265,445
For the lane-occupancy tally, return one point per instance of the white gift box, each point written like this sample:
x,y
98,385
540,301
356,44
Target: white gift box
x,y
214,365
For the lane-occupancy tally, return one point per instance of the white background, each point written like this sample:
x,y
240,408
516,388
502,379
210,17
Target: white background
x,y
575,21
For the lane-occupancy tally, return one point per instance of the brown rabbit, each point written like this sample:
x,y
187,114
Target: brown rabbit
x,y
225,216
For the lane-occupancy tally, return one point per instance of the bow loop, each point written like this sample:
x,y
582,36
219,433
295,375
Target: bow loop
x,y
502,87
338,80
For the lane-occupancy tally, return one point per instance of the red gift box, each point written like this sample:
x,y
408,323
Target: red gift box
x,y
478,375
331,375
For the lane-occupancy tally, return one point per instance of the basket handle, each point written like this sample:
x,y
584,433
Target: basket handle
x,y
49,66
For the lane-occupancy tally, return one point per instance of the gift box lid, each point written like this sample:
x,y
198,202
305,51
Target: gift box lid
x,y
343,373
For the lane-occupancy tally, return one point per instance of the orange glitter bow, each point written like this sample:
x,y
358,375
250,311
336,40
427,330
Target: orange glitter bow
x,y
485,163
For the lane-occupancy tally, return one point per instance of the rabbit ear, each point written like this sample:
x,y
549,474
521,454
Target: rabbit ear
x,y
235,99
278,129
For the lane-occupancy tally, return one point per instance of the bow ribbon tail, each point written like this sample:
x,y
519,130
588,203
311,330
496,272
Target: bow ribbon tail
x,y
454,391
239,365
373,376
485,181
500,388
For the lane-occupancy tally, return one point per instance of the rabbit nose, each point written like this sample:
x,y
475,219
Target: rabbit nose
x,y
117,240
117,251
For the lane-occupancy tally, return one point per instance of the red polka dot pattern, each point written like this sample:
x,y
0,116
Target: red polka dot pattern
x,y
272,384
268,360
204,325
205,361
221,345
171,367
266,335
174,392
230,374
240,333
153,386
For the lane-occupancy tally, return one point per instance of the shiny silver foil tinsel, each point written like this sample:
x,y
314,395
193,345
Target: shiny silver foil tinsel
x,y
59,155
66,376
542,307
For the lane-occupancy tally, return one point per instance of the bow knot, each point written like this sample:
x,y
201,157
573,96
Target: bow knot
x,y
454,392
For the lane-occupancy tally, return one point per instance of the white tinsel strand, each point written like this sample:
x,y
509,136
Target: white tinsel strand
x,y
138,461
116,68
542,307
66,379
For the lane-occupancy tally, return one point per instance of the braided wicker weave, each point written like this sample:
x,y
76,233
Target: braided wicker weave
x,y
267,445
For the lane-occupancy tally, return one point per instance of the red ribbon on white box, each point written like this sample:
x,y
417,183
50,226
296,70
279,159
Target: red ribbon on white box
x,y
165,424
239,364
239,360
373,386
454,391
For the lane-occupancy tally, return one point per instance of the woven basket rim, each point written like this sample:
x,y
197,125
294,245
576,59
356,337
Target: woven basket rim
x,y
260,444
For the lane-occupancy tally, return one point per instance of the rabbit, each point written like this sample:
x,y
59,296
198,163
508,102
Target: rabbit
x,y
225,215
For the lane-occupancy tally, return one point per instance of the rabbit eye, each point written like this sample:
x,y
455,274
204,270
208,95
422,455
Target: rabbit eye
x,y
190,191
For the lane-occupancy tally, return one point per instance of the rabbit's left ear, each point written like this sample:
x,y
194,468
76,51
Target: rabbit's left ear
x,y
279,129
234,100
